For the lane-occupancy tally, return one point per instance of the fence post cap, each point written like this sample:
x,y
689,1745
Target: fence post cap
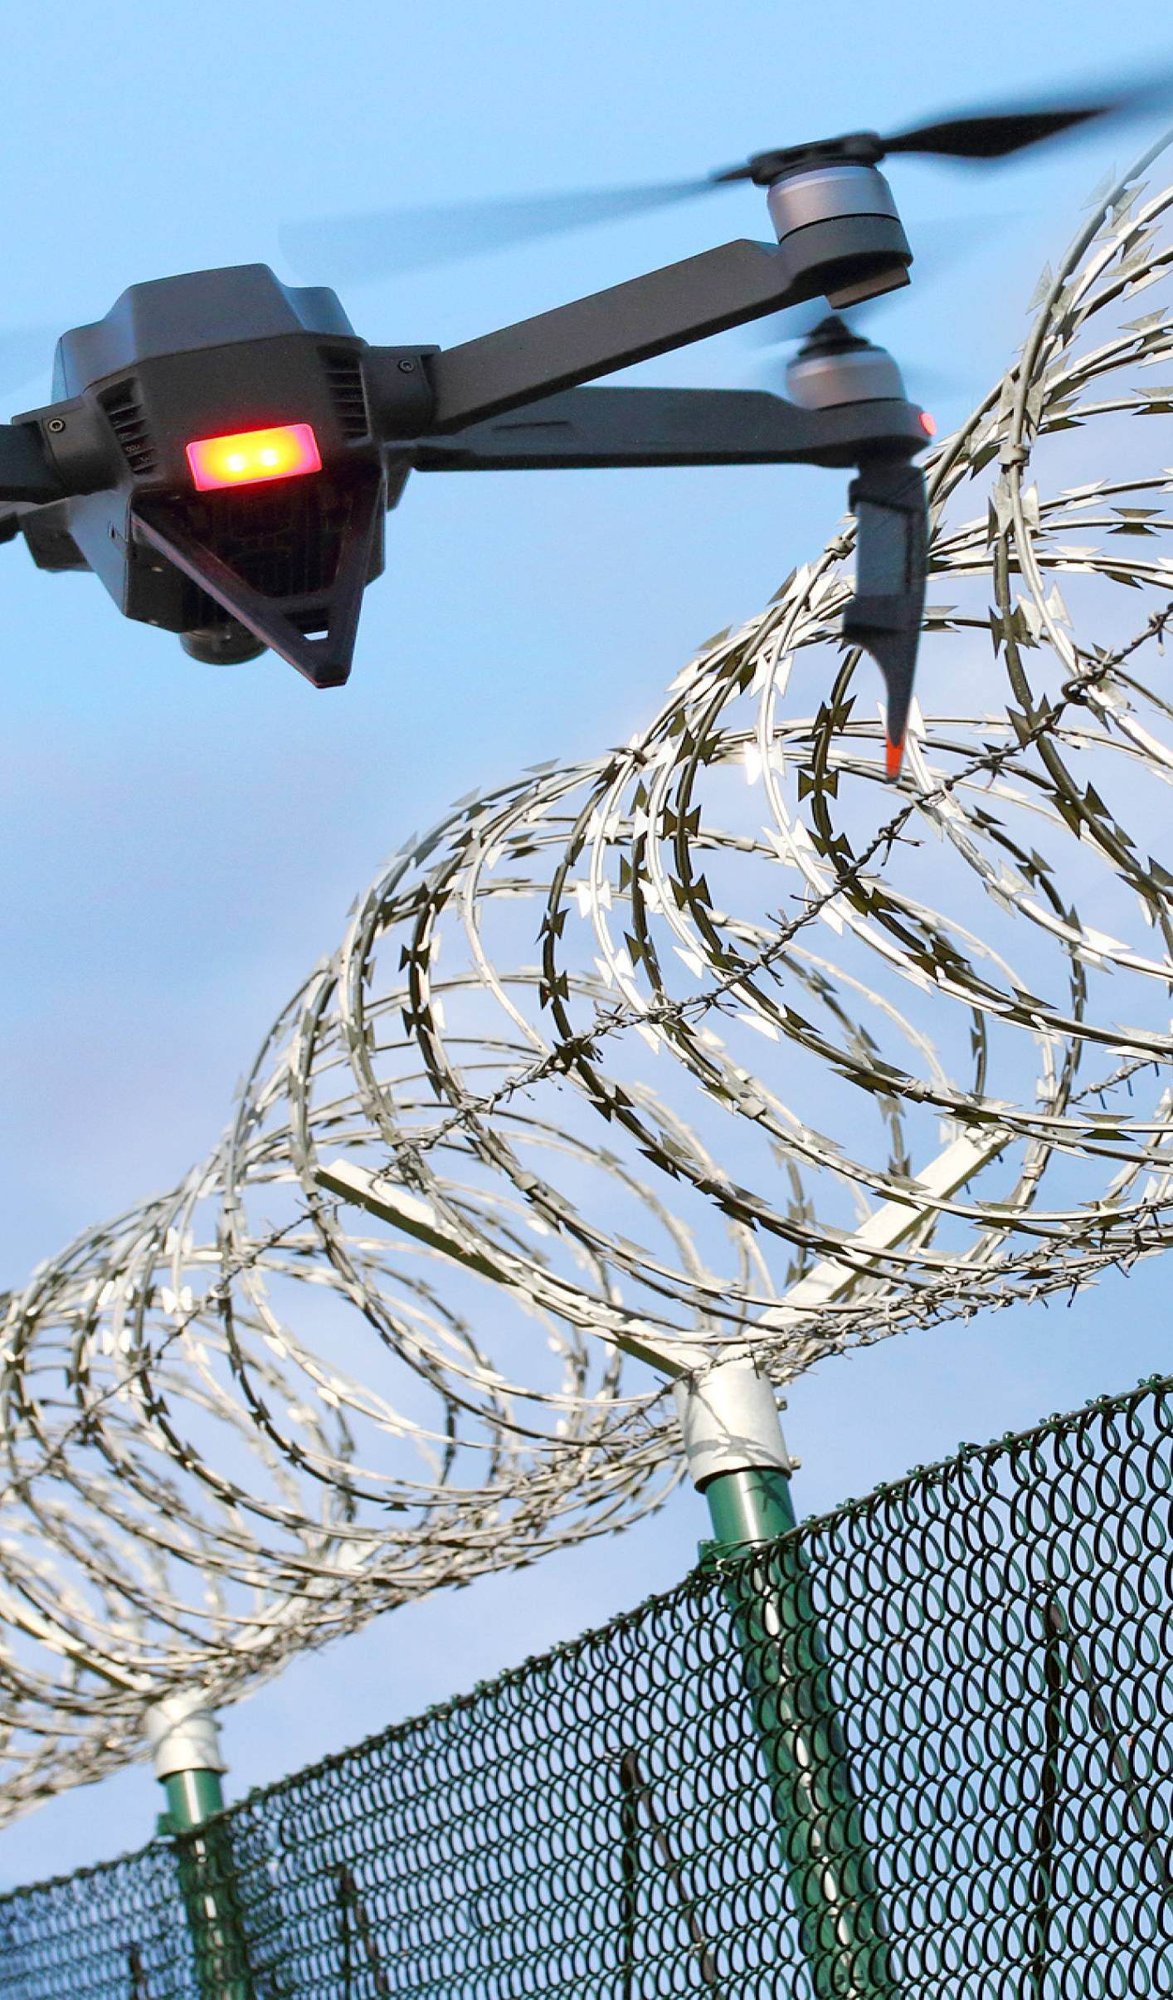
x,y
729,1416
184,1735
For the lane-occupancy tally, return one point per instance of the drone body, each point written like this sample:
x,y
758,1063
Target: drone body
x,y
221,449
177,364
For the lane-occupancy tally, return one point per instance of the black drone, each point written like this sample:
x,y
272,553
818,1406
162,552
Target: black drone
x,y
221,448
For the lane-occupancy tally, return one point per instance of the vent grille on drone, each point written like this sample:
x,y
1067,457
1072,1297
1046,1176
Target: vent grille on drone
x,y
344,375
129,425
282,542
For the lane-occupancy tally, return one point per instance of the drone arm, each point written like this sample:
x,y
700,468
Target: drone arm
x,y
25,471
612,329
647,427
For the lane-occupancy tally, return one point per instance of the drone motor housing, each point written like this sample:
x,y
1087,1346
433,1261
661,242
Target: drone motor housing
x,y
835,366
837,225
253,561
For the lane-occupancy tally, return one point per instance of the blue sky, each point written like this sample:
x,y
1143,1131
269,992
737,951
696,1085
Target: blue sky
x,y
182,842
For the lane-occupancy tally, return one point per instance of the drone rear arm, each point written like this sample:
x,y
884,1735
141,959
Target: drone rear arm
x,y
647,427
612,329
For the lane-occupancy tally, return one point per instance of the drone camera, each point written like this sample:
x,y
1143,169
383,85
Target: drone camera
x,y
228,644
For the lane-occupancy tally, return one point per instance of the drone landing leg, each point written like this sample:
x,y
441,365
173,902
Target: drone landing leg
x,y
891,560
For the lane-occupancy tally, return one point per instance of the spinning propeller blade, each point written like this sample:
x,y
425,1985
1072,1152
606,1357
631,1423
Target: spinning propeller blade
x,y
348,248
992,135
353,247
25,352
921,379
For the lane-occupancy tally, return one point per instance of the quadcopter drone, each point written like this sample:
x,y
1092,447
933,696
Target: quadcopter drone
x,y
222,449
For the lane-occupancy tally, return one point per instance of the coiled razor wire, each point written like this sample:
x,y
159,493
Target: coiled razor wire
x,y
629,1053
993,1637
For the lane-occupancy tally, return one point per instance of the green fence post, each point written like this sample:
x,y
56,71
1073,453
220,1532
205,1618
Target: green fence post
x,y
737,1458
185,1738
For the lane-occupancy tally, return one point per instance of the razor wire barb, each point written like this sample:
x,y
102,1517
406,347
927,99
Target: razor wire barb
x,y
705,1002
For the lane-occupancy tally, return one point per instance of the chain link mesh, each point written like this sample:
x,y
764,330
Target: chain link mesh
x,y
989,1640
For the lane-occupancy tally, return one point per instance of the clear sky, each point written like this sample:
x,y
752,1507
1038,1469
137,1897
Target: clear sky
x,y
181,843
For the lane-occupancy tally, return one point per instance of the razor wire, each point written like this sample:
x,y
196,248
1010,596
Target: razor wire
x,y
991,1635
629,1055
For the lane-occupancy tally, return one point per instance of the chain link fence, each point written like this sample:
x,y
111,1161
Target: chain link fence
x,y
990,1644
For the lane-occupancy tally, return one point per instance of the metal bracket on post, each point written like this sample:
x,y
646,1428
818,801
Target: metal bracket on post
x,y
729,1417
184,1736
185,1739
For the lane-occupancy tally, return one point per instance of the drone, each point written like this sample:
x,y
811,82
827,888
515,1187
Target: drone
x,y
222,449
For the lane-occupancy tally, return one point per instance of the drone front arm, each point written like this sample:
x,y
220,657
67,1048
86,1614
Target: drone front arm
x,y
645,427
612,329
25,471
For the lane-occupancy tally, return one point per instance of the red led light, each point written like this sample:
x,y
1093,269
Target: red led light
x,y
247,457
928,424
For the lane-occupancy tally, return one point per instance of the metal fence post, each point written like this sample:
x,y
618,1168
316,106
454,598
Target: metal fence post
x,y
185,1739
737,1458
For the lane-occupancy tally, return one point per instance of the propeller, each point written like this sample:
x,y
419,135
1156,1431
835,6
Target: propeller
x,y
26,352
940,244
816,328
980,135
350,248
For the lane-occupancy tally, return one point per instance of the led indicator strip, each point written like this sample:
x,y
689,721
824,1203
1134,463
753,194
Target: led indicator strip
x,y
247,457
